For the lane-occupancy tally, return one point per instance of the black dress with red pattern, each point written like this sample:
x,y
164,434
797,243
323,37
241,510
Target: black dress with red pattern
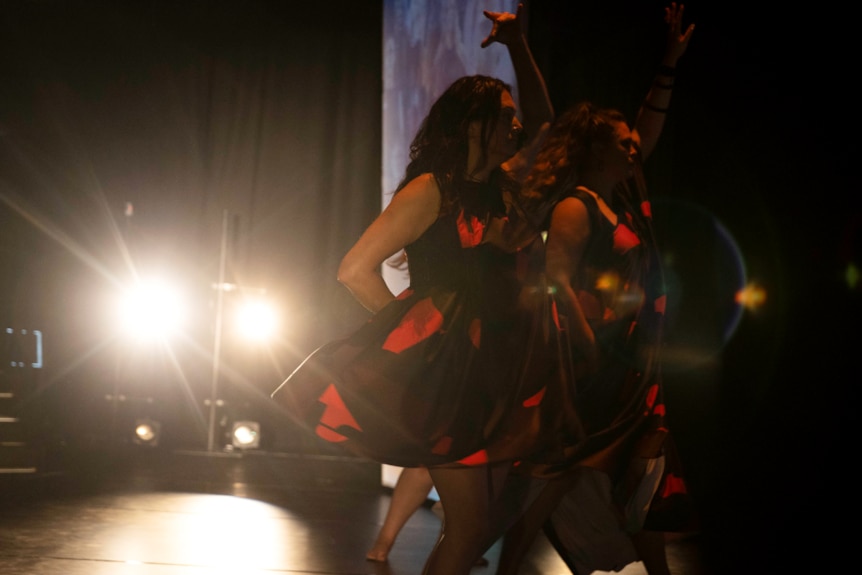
x,y
621,290
457,370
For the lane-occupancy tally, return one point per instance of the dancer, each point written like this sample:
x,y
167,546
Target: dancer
x,y
602,258
449,375
414,484
411,491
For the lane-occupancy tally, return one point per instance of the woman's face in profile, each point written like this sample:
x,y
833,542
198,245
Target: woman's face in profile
x,y
505,137
619,156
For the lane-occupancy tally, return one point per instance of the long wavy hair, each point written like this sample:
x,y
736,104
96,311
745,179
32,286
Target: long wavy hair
x,y
441,144
576,142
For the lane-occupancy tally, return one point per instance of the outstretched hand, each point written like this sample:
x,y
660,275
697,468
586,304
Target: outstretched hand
x,y
677,40
507,27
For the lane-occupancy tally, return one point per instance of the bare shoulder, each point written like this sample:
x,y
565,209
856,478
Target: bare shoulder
x,y
570,223
420,194
412,210
570,210
420,185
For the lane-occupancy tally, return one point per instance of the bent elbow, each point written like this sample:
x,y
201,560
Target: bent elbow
x,y
352,273
346,274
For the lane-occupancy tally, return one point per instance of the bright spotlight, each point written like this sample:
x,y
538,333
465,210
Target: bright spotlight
x,y
152,309
256,320
246,435
147,432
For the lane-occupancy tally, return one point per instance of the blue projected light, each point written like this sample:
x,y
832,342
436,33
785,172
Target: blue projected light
x,y
24,348
735,268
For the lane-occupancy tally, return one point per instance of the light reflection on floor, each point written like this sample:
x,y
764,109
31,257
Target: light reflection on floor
x,y
191,516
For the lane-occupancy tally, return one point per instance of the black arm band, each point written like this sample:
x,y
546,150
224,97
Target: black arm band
x,y
649,106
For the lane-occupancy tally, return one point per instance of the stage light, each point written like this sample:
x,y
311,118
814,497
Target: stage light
x,y
246,435
147,432
151,310
256,320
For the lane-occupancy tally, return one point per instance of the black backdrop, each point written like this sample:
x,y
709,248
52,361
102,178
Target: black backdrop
x,y
271,110
759,140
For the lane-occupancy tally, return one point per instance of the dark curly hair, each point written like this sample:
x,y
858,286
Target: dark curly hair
x,y
577,140
441,144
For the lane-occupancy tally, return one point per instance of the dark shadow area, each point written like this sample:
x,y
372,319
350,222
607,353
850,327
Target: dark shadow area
x,y
753,176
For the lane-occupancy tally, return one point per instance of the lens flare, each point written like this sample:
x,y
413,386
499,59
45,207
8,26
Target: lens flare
x,y
751,297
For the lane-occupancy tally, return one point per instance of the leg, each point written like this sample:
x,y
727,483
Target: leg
x,y
467,495
650,547
411,491
519,538
518,493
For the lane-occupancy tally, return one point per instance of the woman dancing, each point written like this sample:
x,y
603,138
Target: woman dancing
x,y
448,375
602,259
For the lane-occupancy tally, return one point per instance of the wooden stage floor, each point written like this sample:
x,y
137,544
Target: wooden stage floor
x,y
187,513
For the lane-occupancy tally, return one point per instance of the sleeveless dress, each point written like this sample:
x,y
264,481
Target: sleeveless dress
x,y
461,369
621,291
621,475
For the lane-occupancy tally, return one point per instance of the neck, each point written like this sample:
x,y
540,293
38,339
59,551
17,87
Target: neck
x,y
477,177
477,174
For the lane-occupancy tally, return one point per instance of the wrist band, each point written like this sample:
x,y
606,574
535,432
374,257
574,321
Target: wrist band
x,y
649,106
666,71
658,84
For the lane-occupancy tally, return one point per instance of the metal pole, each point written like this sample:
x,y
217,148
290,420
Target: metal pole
x,y
218,324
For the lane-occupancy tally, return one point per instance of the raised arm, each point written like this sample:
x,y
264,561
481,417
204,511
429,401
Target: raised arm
x,y
651,116
533,99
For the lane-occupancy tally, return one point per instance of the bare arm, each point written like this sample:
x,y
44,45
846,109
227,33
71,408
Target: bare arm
x,y
411,211
568,235
650,119
537,113
533,99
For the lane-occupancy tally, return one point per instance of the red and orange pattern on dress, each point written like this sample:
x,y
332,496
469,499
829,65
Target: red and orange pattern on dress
x,y
462,368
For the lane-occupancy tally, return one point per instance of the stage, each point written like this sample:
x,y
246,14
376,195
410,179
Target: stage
x,y
156,512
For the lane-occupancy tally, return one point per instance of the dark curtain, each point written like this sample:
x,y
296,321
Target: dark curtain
x,y
128,130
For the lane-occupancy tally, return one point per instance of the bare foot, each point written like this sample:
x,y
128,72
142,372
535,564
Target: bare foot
x,y
379,552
